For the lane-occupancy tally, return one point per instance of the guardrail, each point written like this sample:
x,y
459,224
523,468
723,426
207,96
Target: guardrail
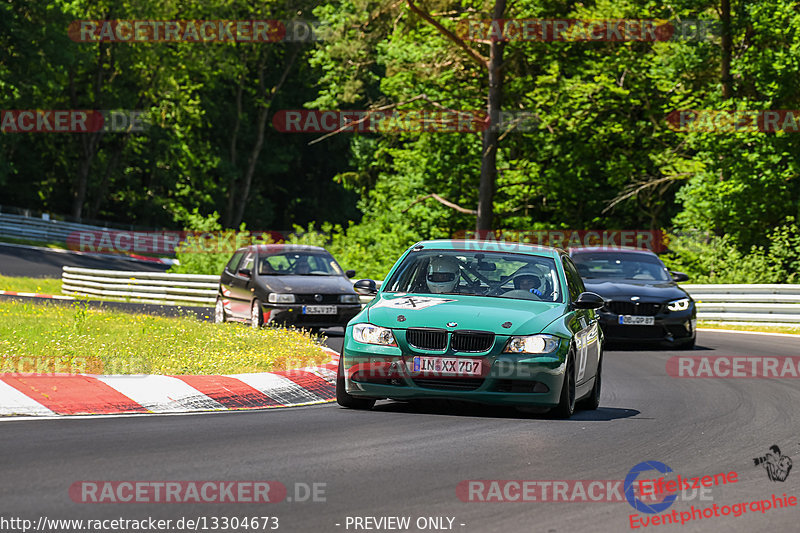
x,y
143,287
723,303
47,230
768,302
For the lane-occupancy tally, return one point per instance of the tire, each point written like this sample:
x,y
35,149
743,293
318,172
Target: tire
x,y
566,402
592,401
256,314
346,400
219,312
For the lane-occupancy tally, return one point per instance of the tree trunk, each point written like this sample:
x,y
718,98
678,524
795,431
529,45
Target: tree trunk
x,y
486,188
227,217
725,69
262,121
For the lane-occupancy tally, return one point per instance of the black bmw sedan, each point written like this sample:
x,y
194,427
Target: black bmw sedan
x,y
643,301
285,284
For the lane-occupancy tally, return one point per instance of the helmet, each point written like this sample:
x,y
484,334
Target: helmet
x,y
532,281
443,274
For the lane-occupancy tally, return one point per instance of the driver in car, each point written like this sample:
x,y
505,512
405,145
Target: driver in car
x,y
529,283
443,275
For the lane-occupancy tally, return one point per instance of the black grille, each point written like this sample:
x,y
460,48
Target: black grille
x,y
449,384
309,299
633,308
427,339
472,341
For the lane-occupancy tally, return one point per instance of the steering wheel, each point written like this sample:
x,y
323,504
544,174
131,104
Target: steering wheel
x,y
499,286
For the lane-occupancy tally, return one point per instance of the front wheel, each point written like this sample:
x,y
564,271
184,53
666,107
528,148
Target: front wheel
x,y
566,402
592,402
256,315
219,312
343,398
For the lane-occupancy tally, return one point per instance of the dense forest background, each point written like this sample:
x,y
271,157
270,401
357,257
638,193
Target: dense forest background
x,y
602,154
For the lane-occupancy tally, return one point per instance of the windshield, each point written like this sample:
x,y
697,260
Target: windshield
x,y
498,275
299,264
620,265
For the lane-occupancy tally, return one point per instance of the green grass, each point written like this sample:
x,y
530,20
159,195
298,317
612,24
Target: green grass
x,y
32,242
53,338
738,327
21,284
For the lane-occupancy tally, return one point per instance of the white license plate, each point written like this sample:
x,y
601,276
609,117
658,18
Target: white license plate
x,y
319,309
446,366
636,320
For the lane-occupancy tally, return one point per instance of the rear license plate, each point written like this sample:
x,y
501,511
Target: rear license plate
x,y
636,320
447,366
319,309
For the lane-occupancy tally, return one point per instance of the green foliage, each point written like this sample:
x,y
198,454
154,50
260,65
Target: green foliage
x,y
207,247
713,259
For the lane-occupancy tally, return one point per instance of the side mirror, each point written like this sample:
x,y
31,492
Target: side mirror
x,y
589,300
679,276
365,287
246,272
350,273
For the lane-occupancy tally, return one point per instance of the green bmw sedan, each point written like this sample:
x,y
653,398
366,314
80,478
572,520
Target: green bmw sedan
x,y
489,322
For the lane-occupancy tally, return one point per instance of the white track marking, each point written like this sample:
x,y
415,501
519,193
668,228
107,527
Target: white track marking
x,y
161,394
795,335
13,402
279,388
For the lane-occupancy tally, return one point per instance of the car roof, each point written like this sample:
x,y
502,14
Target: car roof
x,y
626,249
280,248
490,246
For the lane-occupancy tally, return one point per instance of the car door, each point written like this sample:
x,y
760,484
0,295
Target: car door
x,y
240,285
584,324
226,280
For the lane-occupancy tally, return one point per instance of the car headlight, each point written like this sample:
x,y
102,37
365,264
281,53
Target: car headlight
x,y
349,298
277,298
679,305
532,344
369,334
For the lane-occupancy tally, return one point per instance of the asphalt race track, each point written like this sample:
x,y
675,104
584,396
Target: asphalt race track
x,y
42,263
399,460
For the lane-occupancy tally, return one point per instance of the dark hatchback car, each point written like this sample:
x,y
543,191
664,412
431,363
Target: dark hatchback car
x,y
286,284
643,301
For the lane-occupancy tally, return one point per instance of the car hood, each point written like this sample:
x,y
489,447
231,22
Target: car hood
x,y
308,284
468,312
652,291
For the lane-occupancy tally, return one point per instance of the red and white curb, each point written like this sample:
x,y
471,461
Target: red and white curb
x,y
81,394
36,295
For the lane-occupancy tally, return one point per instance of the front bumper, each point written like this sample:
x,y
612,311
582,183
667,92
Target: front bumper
x,y
292,315
671,327
373,371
